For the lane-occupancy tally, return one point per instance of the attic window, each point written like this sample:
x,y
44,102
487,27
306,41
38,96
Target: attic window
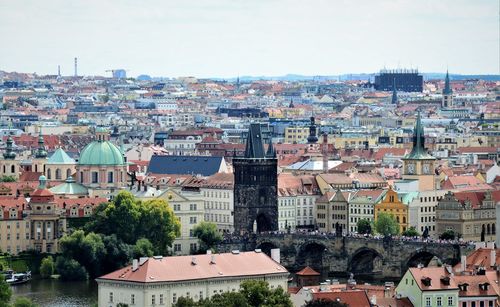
x,y
484,286
445,280
463,287
426,281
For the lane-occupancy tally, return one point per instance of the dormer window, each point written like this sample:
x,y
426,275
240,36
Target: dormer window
x,y
426,281
484,286
445,280
463,287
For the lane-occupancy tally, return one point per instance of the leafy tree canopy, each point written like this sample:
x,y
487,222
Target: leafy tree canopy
x,y
208,235
364,226
411,232
325,303
386,224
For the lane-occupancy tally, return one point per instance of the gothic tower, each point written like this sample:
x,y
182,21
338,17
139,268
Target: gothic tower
x,y
418,164
394,98
447,101
255,186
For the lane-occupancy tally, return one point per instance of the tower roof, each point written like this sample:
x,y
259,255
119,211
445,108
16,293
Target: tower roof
x,y
447,88
60,157
41,152
254,147
394,99
418,151
9,154
312,138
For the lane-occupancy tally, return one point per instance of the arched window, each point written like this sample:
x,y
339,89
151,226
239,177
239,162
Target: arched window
x,y
58,174
4,169
81,177
36,168
488,229
493,229
110,177
404,219
49,174
68,172
12,169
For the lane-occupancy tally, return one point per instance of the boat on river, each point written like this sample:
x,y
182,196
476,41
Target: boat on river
x,y
13,278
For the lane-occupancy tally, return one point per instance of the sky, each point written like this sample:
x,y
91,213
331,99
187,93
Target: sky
x,y
227,38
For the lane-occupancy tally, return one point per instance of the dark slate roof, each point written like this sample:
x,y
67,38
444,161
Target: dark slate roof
x,y
254,147
184,165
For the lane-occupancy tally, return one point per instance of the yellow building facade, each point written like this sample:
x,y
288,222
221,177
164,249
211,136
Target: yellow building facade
x,y
392,205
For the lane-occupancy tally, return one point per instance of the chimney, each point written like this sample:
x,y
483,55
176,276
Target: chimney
x,y
373,300
193,261
493,257
323,287
143,260
490,245
209,252
463,262
135,265
212,260
275,255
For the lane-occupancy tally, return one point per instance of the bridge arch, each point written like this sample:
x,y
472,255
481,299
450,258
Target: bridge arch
x,y
366,261
311,253
420,257
266,247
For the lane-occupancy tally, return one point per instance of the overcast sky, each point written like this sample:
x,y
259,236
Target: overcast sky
x,y
225,38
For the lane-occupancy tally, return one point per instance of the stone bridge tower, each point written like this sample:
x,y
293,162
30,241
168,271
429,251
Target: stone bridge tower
x,y
255,186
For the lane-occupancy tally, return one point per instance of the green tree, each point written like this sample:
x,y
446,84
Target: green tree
x,y
23,302
364,226
325,303
226,299
258,293
411,232
143,248
70,269
88,250
185,302
118,254
7,179
159,224
120,216
5,293
47,267
122,305
208,235
448,235
386,224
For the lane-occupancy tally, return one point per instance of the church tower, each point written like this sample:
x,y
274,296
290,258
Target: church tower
x,y
255,186
9,165
418,164
447,101
394,98
40,155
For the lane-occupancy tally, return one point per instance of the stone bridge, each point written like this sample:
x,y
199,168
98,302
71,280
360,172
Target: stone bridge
x,y
343,255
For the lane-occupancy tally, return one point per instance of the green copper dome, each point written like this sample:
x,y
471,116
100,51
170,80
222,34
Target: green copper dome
x,y
101,153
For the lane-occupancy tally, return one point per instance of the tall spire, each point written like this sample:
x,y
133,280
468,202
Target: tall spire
x,y
418,151
447,88
254,147
271,153
394,99
41,152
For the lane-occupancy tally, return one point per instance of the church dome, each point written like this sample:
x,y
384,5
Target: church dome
x,y
101,153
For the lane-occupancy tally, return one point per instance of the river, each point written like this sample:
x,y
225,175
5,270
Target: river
x,y
56,293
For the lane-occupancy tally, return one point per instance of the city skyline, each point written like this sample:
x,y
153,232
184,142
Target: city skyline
x,y
262,38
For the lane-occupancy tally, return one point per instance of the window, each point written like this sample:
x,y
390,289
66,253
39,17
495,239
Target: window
x,y
450,300
153,299
174,298
193,247
132,299
177,247
110,177
111,297
201,295
439,301
192,220
95,177
161,299
192,207
428,301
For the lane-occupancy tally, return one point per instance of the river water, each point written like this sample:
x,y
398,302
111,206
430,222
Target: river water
x,y
56,293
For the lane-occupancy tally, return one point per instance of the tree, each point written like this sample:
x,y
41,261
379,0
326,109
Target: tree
x,y
7,179
159,224
364,226
47,267
70,269
143,248
411,232
386,224
325,303
23,302
257,293
88,250
208,235
447,235
130,219
185,302
5,293
227,299
117,254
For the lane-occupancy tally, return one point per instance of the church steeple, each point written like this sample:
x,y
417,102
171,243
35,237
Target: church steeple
x,y
394,99
9,154
312,138
418,151
254,147
447,88
41,153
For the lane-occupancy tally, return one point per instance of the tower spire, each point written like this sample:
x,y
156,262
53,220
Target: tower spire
x,y
394,99
9,154
312,138
41,152
447,88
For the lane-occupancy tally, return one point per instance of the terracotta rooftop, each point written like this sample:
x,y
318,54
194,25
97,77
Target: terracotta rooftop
x,y
181,268
307,271
435,275
356,298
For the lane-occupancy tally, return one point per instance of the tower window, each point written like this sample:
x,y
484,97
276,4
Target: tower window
x,y
95,177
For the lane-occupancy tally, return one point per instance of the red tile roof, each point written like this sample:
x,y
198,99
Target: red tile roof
x,y
356,298
180,268
307,271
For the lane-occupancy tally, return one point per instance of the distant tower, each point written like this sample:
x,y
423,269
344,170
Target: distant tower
x,y
59,71
312,138
325,152
256,186
76,67
394,99
447,93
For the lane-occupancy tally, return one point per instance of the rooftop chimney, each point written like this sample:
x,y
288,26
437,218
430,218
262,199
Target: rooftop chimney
x,y
135,265
463,263
143,260
194,261
493,257
373,300
209,252
212,260
275,255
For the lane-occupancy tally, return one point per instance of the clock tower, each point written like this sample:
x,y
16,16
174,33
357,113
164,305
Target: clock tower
x,y
418,164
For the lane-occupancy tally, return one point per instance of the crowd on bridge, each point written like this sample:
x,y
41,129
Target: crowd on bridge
x,y
245,238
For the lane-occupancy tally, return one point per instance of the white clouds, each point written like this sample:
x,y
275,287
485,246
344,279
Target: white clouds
x,y
260,37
